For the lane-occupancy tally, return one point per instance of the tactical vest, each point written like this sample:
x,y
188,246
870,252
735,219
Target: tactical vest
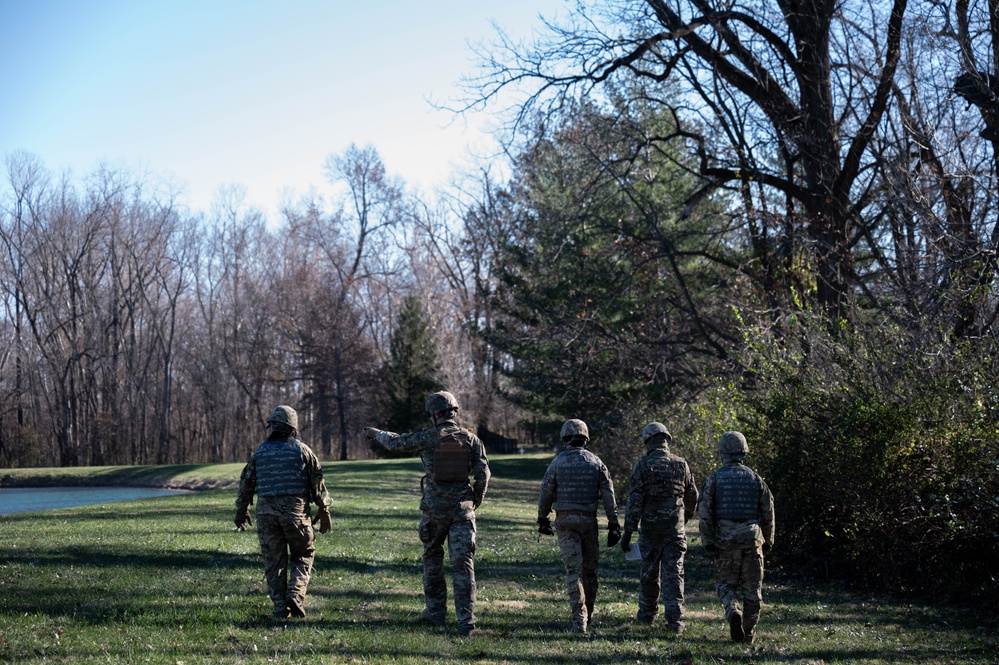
x,y
664,477
737,494
578,478
281,469
452,458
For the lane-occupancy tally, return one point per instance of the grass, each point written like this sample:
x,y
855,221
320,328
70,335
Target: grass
x,y
180,476
167,580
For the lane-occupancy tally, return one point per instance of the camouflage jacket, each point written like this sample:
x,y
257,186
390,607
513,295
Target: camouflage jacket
x,y
287,505
577,480
662,495
715,531
443,497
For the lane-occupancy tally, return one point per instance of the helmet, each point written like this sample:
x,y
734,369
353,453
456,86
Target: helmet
x,y
652,429
440,401
573,428
285,415
732,443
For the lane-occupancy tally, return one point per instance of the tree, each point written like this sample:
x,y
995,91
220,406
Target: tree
x,y
606,298
780,101
942,190
341,253
411,371
232,361
452,256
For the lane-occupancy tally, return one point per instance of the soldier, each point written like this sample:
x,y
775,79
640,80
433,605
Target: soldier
x,y
662,497
737,528
574,485
450,454
286,476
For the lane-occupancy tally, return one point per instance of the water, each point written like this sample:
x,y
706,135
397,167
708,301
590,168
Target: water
x,y
30,499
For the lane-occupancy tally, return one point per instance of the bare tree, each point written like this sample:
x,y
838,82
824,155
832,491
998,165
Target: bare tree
x,y
234,356
342,254
451,259
29,190
780,100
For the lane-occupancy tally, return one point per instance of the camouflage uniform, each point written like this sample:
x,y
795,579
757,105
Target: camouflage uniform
x,y
737,525
662,497
574,484
448,513
287,477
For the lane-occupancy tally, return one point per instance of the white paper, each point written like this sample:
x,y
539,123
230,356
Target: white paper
x,y
634,554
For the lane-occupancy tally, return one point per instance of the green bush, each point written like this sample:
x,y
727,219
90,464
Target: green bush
x,y
694,426
882,455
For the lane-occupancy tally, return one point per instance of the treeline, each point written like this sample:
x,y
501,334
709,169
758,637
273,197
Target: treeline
x,y
718,217
137,332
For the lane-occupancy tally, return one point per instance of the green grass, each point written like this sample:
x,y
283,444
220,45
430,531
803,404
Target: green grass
x,y
181,476
167,580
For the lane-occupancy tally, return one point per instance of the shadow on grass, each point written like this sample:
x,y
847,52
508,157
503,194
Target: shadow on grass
x,y
520,467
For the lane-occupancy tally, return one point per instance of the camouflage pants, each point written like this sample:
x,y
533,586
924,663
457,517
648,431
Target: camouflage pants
x,y
285,540
739,577
578,543
459,531
662,576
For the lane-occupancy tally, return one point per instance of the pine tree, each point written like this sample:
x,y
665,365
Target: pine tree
x,y
410,374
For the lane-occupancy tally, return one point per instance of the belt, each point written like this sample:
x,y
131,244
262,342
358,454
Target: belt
x,y
578,513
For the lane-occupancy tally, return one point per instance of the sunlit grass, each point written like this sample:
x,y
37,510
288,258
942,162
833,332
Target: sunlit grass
x,y
167,580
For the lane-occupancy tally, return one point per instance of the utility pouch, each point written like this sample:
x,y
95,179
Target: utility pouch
x,y
747,535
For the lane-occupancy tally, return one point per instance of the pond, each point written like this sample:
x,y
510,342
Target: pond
x,y
30,499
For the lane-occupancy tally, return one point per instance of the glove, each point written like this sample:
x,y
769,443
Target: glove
x,y
242,519
323,518
711,551
626,542
371,432
766,548
613,534
545,527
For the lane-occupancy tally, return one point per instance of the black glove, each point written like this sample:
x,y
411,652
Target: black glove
x,y
324,520
613,534
242,519
626,542
766,548
711,551
545,527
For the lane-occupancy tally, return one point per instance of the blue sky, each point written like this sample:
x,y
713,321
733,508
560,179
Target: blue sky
x,y
210,93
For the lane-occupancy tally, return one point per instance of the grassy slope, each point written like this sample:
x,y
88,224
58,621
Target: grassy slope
x,y
167,581
177,476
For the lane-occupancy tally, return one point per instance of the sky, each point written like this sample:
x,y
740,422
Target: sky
x,y
205,94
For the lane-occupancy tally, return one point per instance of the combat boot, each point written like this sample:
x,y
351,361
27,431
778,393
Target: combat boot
x,y
295,608
735,627
432,619
579,626
675,628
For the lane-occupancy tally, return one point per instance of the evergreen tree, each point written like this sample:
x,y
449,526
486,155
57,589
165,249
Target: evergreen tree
x,y
608,295
411,370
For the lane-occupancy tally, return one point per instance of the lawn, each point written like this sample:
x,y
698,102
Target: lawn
x,y
167,580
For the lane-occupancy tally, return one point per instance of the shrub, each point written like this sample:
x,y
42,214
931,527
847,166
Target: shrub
x,y
882,455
